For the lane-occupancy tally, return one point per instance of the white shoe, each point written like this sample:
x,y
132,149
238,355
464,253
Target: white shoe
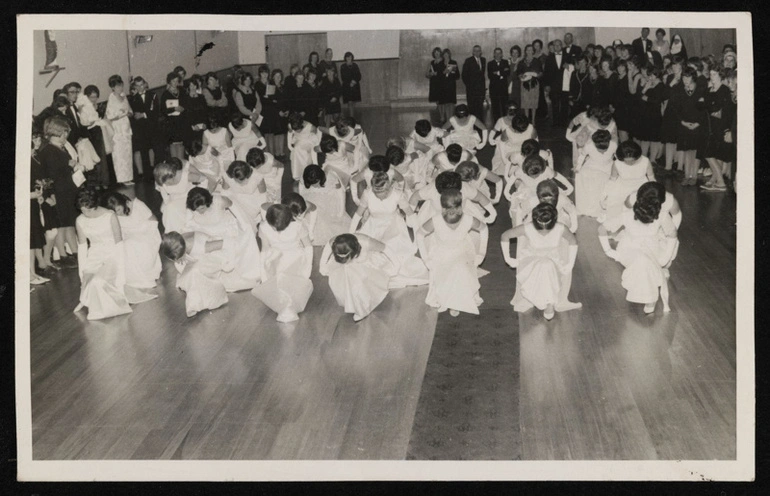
x,y
568,305
649,308
454,313
287,316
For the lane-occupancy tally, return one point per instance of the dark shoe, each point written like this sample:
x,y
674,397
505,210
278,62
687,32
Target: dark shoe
x,y
69,262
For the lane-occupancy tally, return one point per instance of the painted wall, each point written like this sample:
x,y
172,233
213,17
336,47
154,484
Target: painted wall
x,y
251,47
88,57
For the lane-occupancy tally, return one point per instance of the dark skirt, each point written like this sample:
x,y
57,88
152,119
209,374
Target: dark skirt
x,y
689,139
37,231
669,126
649,122
716,147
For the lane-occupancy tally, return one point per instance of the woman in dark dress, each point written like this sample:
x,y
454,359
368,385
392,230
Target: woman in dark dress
x,y
605,84
144,123
37,230
282,105
446,97
216,99
621,97
196,111
634,102
514,85
579,88
173,119
265,90
351,79
686,101
302,99
312,65
246,101
669,127
312,99
433,75
719,152
651,96
60,167
331,93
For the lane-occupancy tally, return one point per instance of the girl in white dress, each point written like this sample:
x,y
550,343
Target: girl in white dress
x,y
202,160
302,139
304,212
347,130
287,259
359,270
245,136
101,260
219,218
337,158
548,192
630,170
507,137
200,262
362,180
413,170
426,139
643,253
385,223
141,239
454,283
593,171
450,158
247,190
173,180
585,124
525,181
117,112
669,207
325,190
479,177
269,170
464,130
541,268
219,142
514,161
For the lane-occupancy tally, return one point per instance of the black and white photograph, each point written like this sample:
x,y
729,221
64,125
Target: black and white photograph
x,y
498,247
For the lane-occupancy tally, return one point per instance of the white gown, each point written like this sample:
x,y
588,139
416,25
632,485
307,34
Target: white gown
x,y
141,240
464,135
454,283
538,277
386,224
362,151
200,277
218,141
340,163
247,197
301,144
331,217
511,145
591,179
273,177
122,154
240,246
244,140
103,274
639,249
630,177
360,285
286,269
174,206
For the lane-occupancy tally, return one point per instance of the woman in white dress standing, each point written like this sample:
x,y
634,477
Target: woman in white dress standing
x,y
117,113
287,259
141,239
454,283
386,224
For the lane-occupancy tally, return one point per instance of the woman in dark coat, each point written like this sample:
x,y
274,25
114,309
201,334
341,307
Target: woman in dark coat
x,y
281,103
446,89
433,75
144,123
60,167
351,79
330,92
265,90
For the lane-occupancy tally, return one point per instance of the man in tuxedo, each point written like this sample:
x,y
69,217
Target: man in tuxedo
x,y
498,71
642,46
77,131
573,52
553,73
475,83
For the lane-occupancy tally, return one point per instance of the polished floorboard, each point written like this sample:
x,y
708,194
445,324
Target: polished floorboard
x,y
602,382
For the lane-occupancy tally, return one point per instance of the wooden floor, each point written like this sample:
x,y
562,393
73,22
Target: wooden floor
x,y
603,382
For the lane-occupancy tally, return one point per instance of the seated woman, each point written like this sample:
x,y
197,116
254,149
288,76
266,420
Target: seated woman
x,y
466,130
507,137
246,190
359,270
325,190
219,218
245,136
338,158
141,239
173,179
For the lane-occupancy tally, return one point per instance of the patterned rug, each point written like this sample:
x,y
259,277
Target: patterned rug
x,y
469,404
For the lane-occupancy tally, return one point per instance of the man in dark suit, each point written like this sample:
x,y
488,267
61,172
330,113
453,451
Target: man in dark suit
x,y
553,73
475,83
642,46
77,130
573,52
498,71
